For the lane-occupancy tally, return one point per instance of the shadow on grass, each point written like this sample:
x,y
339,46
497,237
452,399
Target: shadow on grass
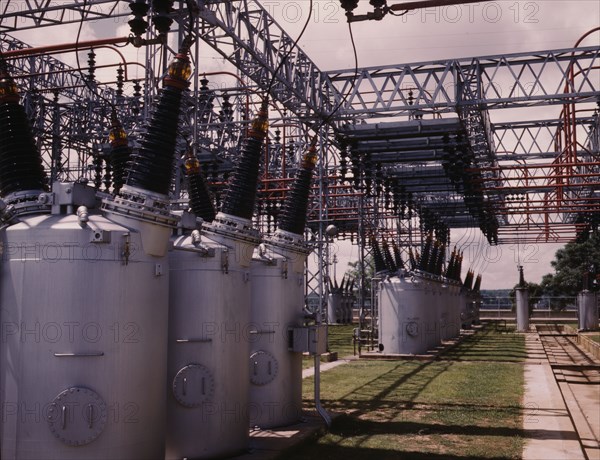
x,y
350,426
388,417
328,452
489,344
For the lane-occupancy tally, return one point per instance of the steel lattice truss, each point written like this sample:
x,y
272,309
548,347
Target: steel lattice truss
x,y
31,14
493,82
414,147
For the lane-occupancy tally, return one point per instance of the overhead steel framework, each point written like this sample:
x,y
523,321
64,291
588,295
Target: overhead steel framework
x,y
414,148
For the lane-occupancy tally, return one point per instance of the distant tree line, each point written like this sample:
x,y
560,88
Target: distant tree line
x,y
576,267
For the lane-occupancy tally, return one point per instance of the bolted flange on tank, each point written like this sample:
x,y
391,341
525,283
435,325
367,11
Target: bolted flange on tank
x,y
277,274
209,319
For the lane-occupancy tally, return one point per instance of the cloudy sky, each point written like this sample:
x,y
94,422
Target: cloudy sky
x,y
479,29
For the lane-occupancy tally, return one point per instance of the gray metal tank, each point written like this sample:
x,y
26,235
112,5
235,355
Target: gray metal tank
x,y
587,303
456,302
334,307
448,306
277,304
443,312
84,311
432,327
522,298
347,308
403,315
453,308
466,309
209,340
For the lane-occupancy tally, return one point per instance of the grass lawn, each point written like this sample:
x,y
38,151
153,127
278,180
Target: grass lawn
x,y
490,344
594,337
467,408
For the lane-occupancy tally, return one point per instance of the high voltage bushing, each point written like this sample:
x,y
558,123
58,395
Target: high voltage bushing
x,y
397,255
150,168
426,253
293,214
468,283
241,192
387,256
433,257
201,202
477,285
440,260
380,265
120,153
21,166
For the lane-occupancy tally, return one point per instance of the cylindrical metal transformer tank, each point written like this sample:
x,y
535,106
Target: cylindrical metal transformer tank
x,y
522,298
433,314
209,336
334,307
347,307
83,356
588,310
443,312
450,314
402,315
277,302
466,309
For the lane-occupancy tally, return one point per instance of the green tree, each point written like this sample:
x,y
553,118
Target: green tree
x,y
570,264
536,291
354,272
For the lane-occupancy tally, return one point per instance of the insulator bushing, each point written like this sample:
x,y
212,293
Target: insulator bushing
x,y
119,157
397,255
293,214
107,180
151,167
387,256
440,260
97,162
241,191
412,259
91,65
380,265
468,283
20,161
477,285
431,263
201,202
120,81
423,265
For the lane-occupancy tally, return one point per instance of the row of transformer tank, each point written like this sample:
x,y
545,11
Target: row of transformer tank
x,y
340,302
130,331
422,305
